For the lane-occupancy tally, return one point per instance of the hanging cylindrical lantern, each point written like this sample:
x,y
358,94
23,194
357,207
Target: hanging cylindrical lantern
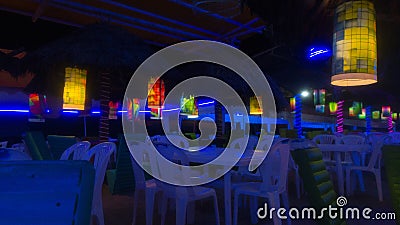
x,y
351,112
376,115
189,106
385,112
333,108
255,106
136,107
112,115
292,105
339,117
319,96
354,59
74,89
319,100
357,108
156,94
362,115
37,105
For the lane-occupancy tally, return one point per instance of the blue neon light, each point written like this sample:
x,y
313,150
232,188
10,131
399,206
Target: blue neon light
x,y
122,111
15,110
206,103
144,111
96,112
70,111
170,110
318,53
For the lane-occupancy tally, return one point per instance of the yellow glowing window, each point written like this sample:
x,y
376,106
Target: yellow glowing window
x,y
74,89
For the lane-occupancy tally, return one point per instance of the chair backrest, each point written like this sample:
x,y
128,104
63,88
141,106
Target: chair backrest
x,y
76,151
352,139
325,139
274,168
3,144
101,154
138,172
377,143
395,137
46,192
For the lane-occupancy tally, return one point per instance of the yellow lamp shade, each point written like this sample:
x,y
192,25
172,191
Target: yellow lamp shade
x,y
333,106
376,115
255,106
354,60
74,89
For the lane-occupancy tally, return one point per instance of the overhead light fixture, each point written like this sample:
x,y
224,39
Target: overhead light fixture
x,y
354,44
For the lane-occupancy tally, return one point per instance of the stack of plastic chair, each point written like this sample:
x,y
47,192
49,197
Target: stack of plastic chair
x,y
315,178
101,156
76,151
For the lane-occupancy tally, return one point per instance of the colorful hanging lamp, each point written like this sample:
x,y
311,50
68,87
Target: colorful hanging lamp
x,y
354,61
74,89
319,100
385,112
112,115
333,106
292,104
376,115
255,106
156,94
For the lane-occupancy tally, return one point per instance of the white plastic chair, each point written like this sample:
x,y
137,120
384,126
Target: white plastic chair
x,y
274,174
182,195
373,166
77,150
327,139
101,153
3,144
149,187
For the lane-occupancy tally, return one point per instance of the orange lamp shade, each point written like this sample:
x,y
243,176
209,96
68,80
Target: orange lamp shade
x,y
255,106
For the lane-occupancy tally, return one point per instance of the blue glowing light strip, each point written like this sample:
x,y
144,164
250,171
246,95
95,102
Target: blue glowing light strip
x,y
206,103
15,110
70,111
96,112
170,110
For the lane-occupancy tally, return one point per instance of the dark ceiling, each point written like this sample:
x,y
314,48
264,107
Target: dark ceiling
x,y
276,34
